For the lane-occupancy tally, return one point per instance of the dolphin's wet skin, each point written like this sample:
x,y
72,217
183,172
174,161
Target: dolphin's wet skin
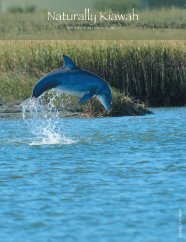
x,y
77,82
101,179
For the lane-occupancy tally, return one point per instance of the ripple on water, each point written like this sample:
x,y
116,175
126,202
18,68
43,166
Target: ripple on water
x,y
106,182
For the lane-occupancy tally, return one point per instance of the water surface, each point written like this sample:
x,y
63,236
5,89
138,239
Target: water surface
x,y
103,179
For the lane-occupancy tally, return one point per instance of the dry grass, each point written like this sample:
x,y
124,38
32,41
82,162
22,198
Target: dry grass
x,y
153,24
152,71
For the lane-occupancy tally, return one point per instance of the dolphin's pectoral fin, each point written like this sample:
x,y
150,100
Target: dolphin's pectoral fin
x,y
86,97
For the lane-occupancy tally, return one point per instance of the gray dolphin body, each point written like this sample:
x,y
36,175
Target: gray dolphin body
x,y
77,82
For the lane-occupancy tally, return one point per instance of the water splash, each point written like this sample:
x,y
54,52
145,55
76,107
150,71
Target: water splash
x,y
42,119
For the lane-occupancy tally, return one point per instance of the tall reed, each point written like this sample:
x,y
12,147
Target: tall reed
x,y
154,72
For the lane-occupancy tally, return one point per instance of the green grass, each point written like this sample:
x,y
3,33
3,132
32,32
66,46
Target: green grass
x,y
153,72
159,24
122,5
18,9
121,105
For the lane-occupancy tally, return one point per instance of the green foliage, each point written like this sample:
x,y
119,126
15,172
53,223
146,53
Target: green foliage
x,y
153,72
15,9
121,105
164,3
30,9
123,5
19,9
119,5
153,24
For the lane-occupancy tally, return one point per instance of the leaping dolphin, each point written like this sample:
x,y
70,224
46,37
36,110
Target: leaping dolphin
x,y
75,81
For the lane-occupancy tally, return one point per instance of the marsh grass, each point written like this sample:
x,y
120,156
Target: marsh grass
x,y
152,24
121,105
153,72
18,9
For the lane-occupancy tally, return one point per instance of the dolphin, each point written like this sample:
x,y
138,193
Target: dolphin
x,y
77,82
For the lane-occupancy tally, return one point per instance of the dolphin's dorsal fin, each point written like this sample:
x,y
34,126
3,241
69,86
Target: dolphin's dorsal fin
x,y
68,62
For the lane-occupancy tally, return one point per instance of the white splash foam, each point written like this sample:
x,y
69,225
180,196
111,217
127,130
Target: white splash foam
x,y
44,124
50,137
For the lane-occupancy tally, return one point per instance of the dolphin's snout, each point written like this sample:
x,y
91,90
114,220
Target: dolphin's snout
x,y
106,98
109,109
75,81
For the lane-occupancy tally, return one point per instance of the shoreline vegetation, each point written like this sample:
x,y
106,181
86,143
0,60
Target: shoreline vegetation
x,y
154,24
68,106
148,73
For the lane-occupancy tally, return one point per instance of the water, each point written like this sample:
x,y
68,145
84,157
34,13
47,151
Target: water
x,y
102,179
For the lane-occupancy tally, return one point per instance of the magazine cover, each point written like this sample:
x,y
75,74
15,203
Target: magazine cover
x,y
92,120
